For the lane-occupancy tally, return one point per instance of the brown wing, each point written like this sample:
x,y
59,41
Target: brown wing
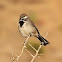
x,y
36,31
30,20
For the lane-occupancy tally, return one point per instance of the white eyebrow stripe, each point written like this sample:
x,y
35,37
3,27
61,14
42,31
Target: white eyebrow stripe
x,y
25,17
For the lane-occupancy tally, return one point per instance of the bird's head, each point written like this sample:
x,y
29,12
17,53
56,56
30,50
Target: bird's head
x,y
23,17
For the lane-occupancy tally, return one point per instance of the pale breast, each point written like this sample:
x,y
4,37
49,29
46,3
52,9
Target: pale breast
x,y
22,31
27,29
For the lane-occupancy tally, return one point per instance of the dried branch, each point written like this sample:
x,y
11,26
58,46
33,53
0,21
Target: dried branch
x,y
12,57
38,50
32,47
34,56
22,49
29,52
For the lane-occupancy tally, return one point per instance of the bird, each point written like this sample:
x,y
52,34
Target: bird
x,y
27,28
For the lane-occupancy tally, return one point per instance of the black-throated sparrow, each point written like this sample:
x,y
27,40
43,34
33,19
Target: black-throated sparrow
x,y
27,27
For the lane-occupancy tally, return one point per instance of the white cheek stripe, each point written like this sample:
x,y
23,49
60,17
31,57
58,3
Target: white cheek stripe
x,y
25,17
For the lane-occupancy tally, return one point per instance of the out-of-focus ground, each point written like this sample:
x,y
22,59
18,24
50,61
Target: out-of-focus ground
x,y
47,16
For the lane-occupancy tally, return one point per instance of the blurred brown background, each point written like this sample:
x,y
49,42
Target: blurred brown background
x,y
47,16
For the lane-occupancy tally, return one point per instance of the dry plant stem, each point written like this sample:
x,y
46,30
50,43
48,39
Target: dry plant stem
x,y
46,35
34,50
32,47
12,56
38,50
22,48
40,54
29,52
36,54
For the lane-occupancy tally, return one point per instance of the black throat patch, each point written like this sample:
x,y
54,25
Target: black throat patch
x,y
21,23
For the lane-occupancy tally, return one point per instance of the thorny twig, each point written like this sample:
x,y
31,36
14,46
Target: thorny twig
x,y
12,57
38,50
22,48
34,56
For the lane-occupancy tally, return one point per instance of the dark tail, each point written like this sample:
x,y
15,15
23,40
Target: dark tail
x,y
43,41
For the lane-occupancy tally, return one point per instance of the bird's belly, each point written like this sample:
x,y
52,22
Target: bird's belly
x,y
27,30
22,31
